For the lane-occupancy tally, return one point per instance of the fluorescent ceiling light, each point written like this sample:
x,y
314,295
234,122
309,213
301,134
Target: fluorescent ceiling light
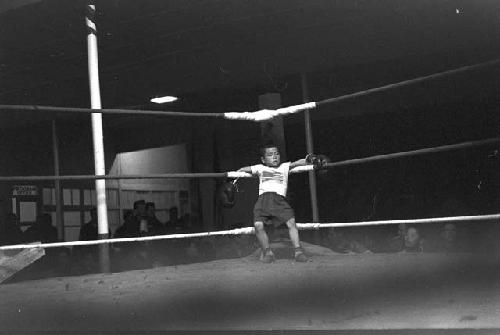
x,y
162,100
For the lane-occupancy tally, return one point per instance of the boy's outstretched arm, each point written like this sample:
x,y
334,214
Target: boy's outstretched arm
x,y
246,169
300,162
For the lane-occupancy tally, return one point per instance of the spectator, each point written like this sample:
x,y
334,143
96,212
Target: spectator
x,y
141,217
42,230
155,227
130,226
447,239
189,224
130,255
174,224
408,239
413,241
88,231
10,233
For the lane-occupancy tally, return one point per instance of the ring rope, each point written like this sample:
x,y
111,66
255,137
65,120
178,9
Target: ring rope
x,y
230,174
239,174
409,82
442,148
251,230
260,115
104,111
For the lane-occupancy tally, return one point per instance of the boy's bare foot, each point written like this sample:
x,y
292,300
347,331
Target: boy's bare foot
x,y
300,256
267,256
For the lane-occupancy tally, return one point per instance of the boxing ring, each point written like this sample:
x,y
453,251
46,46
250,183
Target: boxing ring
x,y
334,291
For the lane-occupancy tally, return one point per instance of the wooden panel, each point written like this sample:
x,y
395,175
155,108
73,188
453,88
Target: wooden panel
x,y
12,262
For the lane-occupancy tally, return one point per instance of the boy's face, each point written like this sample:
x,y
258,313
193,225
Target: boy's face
x,y
271,157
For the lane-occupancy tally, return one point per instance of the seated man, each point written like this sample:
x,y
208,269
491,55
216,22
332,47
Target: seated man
x,y
446,241
42,231
408,240
155,227
10,232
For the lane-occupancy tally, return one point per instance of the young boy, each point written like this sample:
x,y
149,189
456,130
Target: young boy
x,y
271,206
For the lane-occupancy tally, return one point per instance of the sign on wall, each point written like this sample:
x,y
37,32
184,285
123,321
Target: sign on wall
x,y
24,190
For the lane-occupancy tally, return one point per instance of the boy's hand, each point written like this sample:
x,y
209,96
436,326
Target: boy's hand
x,y
226,194
319,161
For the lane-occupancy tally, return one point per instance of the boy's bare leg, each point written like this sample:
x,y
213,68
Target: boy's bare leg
x,y
294,232
294,237
261,234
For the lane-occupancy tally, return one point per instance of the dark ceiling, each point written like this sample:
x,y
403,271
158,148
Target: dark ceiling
x,y
207,48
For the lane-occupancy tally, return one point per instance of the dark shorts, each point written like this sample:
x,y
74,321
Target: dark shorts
x,y
272,208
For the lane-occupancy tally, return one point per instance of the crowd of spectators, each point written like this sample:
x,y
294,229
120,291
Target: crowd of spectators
x,y
407,239
41,231
142,220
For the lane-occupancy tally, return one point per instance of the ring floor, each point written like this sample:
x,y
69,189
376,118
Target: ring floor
x,y
333,292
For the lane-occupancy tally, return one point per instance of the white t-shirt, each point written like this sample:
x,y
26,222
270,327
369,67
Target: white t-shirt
x,y
272,179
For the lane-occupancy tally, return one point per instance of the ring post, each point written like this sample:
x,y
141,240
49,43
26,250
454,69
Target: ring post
x,y
95,101
310,150
57,184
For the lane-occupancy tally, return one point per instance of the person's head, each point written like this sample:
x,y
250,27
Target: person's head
x,y
449,232
39,220
150,209
412,237
93,213
270,155
173,212
46,219
140,207
128,216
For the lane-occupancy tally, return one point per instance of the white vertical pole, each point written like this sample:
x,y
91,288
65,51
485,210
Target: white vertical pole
x,y
57,184
95,102
310,150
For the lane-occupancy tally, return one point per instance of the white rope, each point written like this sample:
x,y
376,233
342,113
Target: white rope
x,y
267,114
251,230
239,231
307,226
